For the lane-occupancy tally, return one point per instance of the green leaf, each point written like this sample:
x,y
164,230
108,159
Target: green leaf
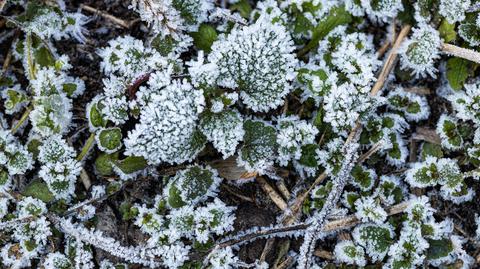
x,y
69,88
131,164
429,149
243,7
204,38
128,211
104,163
337,16
110,139
39,189
447,31
439,248
309,153
43,57
33,147
95,117
457,72
174,197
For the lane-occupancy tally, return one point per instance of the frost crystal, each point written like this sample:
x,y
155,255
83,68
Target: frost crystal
x,y
171,17
224,130
454,10
293,133
259,61
60,168
369,210
347,252
167,129
419,53
467,103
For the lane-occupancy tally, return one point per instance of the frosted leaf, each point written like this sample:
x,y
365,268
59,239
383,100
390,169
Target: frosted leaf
x,y
382,10
259,148
29,206
435,171
171,17
51,114
192,186
368,209
293,133
259,61
57,260
129,58
447,129
390,190
347,252
346,104
375,238
363,178
224,130
223,259
167,128
467,103
453,10
414,107
419,53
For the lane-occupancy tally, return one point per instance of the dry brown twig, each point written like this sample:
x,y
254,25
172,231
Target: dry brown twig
x,y
335,225
106,16
456,51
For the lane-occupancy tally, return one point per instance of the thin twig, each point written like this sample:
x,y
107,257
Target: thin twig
x,y
272,193
106,16
335,225
463,53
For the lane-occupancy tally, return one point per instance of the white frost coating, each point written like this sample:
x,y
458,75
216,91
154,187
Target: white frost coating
x,y
453,10
259,60
293,133
383,10
467,103
138,254
224,130
172,17
167,124
419,52
445,131
223,259
347,252
367,209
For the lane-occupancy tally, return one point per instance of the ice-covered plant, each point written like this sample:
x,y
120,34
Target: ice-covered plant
x,y
421,50
444,172
293,135
412,106
172,17
259,146
347,252
258,60
14,159
447,129
224,129
453,10
466,103
368,209
59,168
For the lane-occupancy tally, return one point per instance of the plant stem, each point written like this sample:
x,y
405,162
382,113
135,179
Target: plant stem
x,y
86,148
22,120
463,53
28,51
